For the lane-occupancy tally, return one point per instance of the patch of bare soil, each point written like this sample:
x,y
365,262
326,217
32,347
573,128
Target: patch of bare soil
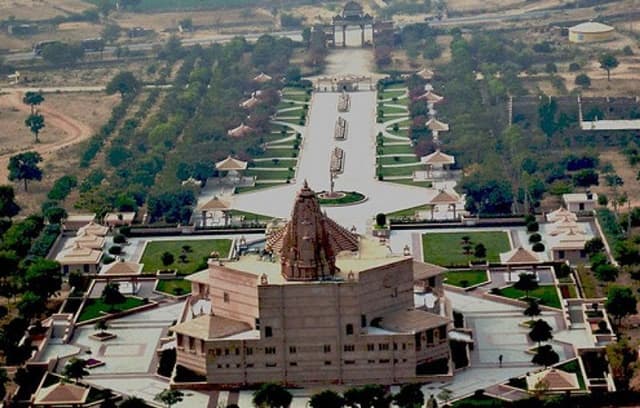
x,y
628,174
40,9
70,119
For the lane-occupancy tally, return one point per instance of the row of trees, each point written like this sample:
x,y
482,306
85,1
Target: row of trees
x,y
272,395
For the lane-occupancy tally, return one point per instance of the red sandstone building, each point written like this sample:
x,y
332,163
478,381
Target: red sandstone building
x,y
328,307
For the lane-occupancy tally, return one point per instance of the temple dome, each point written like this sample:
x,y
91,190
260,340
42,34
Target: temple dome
x,y
309,242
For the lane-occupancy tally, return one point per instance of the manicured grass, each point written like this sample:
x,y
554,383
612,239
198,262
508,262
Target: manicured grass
x,y
348,198
281,163
270,175
391,109
277,151
249,216
401,171
546,294
96,307
174,286
196,259
296,97
398,160
589,283
294,121
408,212
471,277
446,248
260,186
390,93
481,401
400,132
409,182
397,149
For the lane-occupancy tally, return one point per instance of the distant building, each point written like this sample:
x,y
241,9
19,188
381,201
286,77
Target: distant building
x,y
323,305
590,31
576,202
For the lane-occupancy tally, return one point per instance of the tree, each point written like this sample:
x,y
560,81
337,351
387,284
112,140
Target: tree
x,y
24,166
35,123
169,397
55,215
75,369
59,53
480,251
409,396
326,399
381,219
167,258
125,83
111,294
133,402
608,62
594,246
526,283
272,395
622,356
545,356
372,395
101,325
583,80
621,302
43,277
32,99
8,206
31,305
111,32
606,272
540,331
533,309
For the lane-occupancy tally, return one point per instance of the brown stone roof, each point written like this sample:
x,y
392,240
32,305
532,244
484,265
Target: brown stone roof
x,y
425,73
561,213
240,131
77,255
86,241
423,270
209,327
250,103
438,157
231,163
215,204
445,197
122,216
411,321
431,97
93,229
435,124
519,255
262,77
62,394
554,380
121,268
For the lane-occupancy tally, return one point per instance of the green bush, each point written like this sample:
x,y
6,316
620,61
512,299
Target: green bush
x,y
115,250
538,247
533,238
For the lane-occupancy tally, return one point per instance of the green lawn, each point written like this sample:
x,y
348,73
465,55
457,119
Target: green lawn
x,y
398,160
546,294
96,307
445,249
196,259
390,93
249,216
392,109
240,190
397,149
408,212
401,171
174,286
400,132
472,278
277,151
295,118
271,174
409,182
481,401
296,97
281,163
348,198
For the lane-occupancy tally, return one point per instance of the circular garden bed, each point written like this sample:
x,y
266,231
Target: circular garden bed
x,y
339,198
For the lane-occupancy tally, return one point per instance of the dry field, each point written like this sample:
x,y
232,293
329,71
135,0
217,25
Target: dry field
x,y
487,6
41,9
628,174
82,76
70,119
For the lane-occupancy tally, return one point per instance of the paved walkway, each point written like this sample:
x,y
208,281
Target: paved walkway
x,y
359,171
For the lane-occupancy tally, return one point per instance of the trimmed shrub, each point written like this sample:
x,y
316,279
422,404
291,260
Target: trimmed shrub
x,y
538,247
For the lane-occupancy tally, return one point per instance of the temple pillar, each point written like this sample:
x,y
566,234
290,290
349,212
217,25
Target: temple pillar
x,y
362,35
344,35
454,211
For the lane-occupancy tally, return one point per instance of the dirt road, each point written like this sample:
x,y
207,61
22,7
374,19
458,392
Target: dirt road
x,y
74,130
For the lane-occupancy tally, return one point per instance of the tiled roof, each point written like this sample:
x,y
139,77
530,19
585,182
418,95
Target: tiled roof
x,y
207,327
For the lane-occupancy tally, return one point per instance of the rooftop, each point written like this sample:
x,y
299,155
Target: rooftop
x,y
591,27
554,380
208,327
579,197
62,394
411,321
